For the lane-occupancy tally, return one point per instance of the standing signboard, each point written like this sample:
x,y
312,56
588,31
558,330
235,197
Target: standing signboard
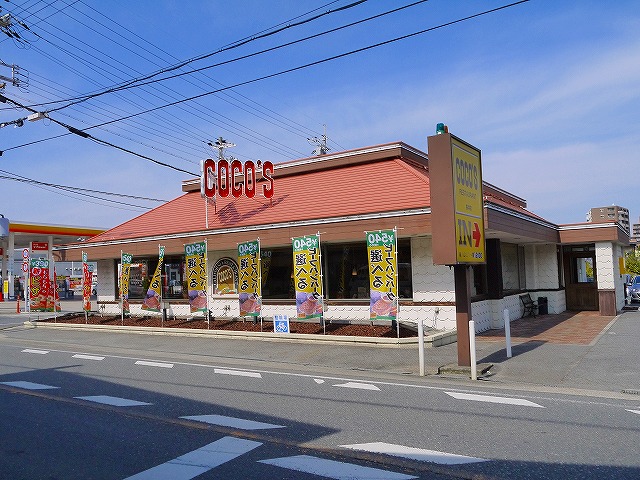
x,y
196,258
457,212
153,295
250,278
383,274
307,274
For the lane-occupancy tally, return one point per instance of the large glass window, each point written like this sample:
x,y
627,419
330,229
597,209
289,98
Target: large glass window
x,y
347,270
277,269
173,277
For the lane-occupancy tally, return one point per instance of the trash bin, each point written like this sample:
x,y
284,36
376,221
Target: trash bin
x,y
543,305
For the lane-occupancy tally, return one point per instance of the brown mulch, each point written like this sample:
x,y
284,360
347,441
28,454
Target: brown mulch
x,y
357,330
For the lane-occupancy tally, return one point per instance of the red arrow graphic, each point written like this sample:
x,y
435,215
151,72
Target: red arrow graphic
x,y
476,234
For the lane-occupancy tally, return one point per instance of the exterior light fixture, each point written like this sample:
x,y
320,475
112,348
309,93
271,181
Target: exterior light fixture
x,y
441,128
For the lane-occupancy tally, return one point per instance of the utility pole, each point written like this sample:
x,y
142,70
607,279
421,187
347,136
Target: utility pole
x,y
17,78
221,144
320,143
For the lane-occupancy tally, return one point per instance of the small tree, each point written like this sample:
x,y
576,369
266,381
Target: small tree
x,y
632,262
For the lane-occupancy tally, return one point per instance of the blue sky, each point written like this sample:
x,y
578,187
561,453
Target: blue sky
x,y
549,91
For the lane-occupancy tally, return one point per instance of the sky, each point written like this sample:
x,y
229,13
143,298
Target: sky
x,y
549,92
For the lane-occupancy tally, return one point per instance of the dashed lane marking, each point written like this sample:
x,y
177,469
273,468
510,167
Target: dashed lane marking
x,y
232,422
154,364
334,469
114,401
198,461
492,399
240,373
88,357
362,386
38,352
634,411
28,385
420,454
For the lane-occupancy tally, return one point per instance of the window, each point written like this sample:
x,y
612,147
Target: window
x,y
277,270
347,270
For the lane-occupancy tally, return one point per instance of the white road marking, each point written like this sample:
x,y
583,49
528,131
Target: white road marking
x,y
198,461
318,380
88,357
492,399
28,385
420,454
363,386
31,350
154,364
240,373
115,401
232,422
333,469
634,411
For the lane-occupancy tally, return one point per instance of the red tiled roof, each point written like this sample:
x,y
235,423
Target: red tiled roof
x,y
378,186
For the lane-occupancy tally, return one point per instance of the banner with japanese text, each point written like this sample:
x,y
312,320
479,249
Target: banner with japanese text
x,y
250,279
153,295
39,286
87,281
125,273
307,275
383,274
196,258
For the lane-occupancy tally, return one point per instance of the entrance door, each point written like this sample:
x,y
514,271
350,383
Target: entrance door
x,y
580,277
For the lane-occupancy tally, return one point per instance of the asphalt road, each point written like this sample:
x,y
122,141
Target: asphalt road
x,y
115,406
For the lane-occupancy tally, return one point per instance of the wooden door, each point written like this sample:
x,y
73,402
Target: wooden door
x,y
580,278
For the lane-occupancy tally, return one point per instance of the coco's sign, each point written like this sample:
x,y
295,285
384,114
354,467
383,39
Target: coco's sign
x,y
224,178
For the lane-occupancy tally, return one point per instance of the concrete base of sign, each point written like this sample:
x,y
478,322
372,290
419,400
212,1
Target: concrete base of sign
x,y
454,369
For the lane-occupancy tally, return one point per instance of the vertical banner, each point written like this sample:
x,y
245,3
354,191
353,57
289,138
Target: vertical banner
x,y
56,294
125,273
307,273
39,285
250,281
87,281
383,274
153,296
196,258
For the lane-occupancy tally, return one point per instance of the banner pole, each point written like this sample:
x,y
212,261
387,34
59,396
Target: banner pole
x,y
121,299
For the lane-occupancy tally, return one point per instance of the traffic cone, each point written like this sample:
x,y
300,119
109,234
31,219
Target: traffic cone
x,y
17,304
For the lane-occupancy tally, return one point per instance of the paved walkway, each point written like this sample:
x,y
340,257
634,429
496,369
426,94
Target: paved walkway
x,y
573,328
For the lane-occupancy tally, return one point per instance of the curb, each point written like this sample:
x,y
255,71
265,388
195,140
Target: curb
x,y
434,340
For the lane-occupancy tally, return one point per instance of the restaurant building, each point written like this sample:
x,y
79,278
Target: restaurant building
x,y
340,196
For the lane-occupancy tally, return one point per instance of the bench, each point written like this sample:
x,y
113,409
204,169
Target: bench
x,y
530,307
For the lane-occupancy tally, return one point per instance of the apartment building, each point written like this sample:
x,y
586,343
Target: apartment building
x,y
611,213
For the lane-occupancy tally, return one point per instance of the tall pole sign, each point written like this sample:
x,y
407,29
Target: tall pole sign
x,y
457,212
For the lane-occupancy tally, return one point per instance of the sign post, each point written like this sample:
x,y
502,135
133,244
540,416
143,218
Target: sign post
x,y
457,210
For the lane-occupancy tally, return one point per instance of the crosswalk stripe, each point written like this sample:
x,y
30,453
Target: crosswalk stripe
x,y
240,373
334,469
420,454
31,350
28,385
198,461
492,399
362,386
154,364
88,357
113,401
232,422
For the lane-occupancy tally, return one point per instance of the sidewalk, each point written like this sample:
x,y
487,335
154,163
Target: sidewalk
x,y
573,350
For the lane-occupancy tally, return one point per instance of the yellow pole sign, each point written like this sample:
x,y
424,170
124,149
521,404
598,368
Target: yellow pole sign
x,y
468,202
